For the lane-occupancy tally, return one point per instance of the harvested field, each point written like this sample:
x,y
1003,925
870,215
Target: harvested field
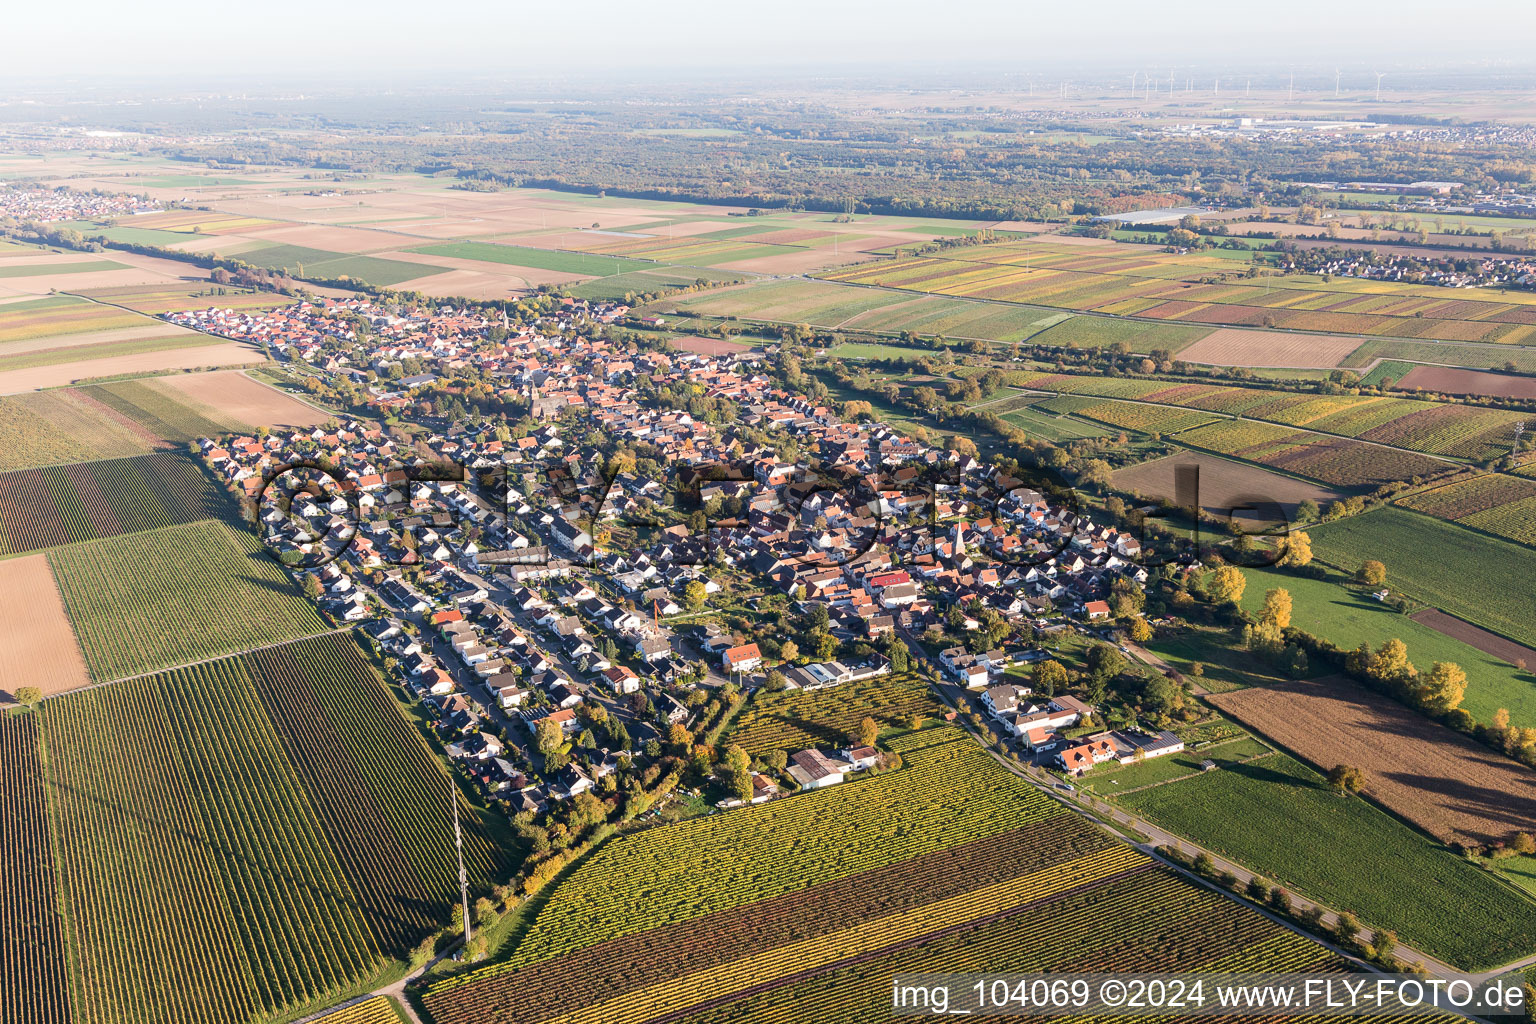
x,y
42,650
1223,485
234,398
1440,780
710,346
1454,381
34,378
141,332
1475,636
1270,348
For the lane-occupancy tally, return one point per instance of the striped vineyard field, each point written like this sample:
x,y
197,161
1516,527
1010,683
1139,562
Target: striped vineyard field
x,y
1147,921
32,977
148,601
947,791
171,418
378,1010
1504,506
704,948
1431,428
55,505
1332,460
264,885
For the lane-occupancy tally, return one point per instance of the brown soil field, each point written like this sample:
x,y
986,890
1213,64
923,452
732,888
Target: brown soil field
x,y
710,346
231,395
1435,777
1452,381
1475,636
467,283
41,648
1224,485
1271,348
520,277
222,354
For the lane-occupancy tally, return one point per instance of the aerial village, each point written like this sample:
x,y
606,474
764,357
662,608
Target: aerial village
x,y
534,588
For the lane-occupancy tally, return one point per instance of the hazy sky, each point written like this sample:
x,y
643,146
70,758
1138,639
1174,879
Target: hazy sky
x,y
395,39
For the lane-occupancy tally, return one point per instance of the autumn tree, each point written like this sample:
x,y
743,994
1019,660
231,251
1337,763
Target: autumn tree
x,y
1048,677
869,731
1276,613
1226,584
1295,550
738,772
548,736
1346,778
694,595
1444,687
1372,573
29,696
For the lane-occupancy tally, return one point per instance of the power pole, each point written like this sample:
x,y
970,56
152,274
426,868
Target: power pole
x,y
458,842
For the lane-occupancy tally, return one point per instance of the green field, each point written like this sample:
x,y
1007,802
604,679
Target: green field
x,y
1110,779
105,350
1347,854
43,269
1052,426
319,263
269,825
1140,335
1348,617
1388,369
658,279
1477,357
1471,575
542,259
148,601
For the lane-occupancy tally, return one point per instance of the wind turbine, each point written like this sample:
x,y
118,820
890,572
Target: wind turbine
x,y
1290,90
1133,85
1379,75
1337,74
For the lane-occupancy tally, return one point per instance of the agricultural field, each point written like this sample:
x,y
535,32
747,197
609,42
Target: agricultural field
x,y
54,505
1110,779
1196,289
378,1010
33,981
1148,419
1146,921
43,651
174,296
164,414
148,601
583,264
1436,429
319,263
1454,381
1494,503
1433,899
823,304
674,967
1445,783
1386,370
61,315
1472,576
61,426
260,906
1349,617
1102,332
1026,414
1224,485
1330,460
1480,357
1229,347
792,720
233,400
729,860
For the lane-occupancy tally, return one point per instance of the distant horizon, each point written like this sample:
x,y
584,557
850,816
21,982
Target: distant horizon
x,y
283,41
